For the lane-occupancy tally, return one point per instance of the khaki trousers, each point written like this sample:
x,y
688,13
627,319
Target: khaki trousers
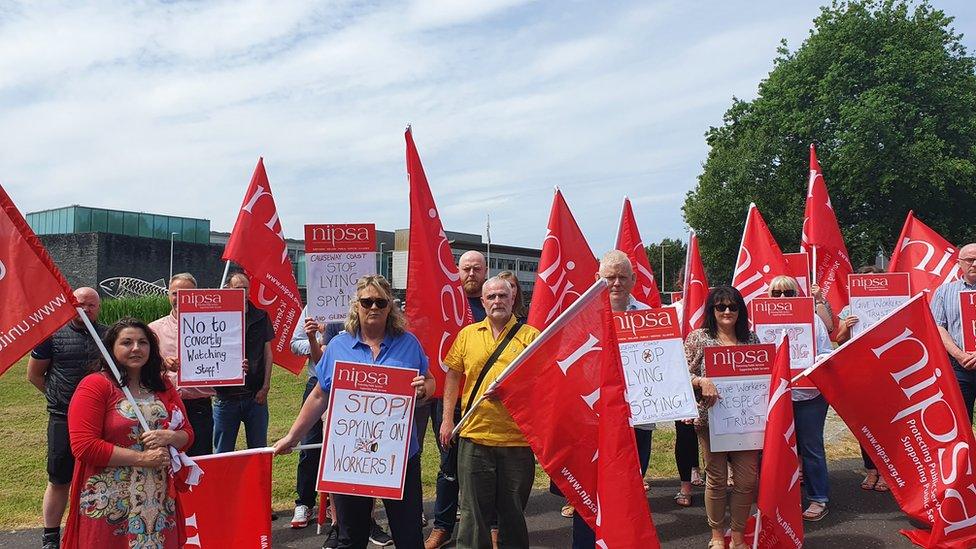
x,y
744,465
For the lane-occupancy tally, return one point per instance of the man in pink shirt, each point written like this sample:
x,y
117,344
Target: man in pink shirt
x,y
199,407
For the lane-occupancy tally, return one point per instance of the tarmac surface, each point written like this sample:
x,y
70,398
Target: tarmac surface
x,y
856,519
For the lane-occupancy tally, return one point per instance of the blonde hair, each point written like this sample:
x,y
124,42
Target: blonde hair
x,y
616,257
785,282
396,322
519,306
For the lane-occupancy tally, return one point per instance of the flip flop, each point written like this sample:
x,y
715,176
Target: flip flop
x,y
881,485
866,484
814,516
682,500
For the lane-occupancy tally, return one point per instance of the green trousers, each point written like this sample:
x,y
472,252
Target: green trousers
x,y
495,483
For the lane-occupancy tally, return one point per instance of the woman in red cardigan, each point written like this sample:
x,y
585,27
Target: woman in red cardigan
x,y
122,493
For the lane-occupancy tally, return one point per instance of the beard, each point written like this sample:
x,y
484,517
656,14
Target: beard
x,y
471,287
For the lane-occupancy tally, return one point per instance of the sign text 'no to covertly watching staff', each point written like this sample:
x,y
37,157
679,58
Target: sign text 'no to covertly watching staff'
x,y
211,337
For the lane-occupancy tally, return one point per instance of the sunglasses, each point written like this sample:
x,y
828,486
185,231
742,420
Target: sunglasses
x,y
731,307
782,293
368,302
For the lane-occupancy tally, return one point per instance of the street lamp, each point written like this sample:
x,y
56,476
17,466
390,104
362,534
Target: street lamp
x,y
171,235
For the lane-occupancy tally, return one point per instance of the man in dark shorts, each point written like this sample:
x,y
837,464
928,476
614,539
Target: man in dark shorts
x,y
55,367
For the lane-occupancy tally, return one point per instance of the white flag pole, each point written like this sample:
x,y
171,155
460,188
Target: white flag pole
x,y
223,279
755,533
113,367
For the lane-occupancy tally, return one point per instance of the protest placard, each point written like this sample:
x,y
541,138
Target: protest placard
x,y
336,256
771,315
967,308
367,431
210,332
655,369
740,373
798,266
874,295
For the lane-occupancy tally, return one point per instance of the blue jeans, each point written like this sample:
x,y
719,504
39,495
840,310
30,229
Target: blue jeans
x,y
446,502
809,417
228,416
308,460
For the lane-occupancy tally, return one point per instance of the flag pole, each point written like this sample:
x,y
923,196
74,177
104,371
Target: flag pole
x,y
223,279
597,286
813,265
755,533
488,259
620,223
115,369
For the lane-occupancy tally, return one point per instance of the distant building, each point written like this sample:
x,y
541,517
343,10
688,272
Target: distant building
x,y
92,245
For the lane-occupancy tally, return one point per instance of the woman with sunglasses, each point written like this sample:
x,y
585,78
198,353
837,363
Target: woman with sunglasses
x,y
375,333
726,323
810,414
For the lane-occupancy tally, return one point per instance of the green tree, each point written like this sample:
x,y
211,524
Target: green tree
x,y
887,93
674,260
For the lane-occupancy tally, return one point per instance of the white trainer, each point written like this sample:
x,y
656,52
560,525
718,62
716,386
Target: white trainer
x,y
301,517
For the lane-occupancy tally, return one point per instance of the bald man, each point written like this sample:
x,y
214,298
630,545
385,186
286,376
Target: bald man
x,y
55,367
474,269
948,316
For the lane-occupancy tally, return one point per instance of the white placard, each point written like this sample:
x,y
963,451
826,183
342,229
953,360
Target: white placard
x,y
211,337
331,282
741,407
658,382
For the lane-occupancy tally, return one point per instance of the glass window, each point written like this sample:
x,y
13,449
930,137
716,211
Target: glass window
x,y
176,226
69,220
203,232
82,220
115,222
130,223
99,221
160,227
62,221
145,225
300,271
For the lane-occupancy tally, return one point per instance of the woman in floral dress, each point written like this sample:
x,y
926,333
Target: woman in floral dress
x,y
122,494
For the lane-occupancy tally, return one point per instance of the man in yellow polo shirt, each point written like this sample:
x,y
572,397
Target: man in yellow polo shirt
x,y
495,464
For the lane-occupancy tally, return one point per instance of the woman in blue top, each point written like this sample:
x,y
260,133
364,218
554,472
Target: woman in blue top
x,y
375,333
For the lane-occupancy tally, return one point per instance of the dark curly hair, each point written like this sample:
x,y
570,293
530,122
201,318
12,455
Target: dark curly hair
x,y
151,374
727,294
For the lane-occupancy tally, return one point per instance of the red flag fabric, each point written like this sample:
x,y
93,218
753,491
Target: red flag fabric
x,y
760,259
779,479
437,307
822,239
629,241
929,259
566,267
566,393
231,507
694,290
894,388
37,299
257,244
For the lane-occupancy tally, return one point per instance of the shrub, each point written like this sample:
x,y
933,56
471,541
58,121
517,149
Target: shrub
x,y
145,309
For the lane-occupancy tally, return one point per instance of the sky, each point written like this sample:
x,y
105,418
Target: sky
x,y
166,106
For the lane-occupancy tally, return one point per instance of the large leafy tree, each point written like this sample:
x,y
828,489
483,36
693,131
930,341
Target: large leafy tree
x,y
887,93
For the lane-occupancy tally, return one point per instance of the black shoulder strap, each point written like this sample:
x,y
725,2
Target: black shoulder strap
x,y
491,362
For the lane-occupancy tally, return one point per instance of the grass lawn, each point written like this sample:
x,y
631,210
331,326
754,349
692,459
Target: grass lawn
x,y
23,447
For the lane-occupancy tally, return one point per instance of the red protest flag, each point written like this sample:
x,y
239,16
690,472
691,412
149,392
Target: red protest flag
x,y
629,241
822,238
694,288
37,298
257,244
929,259
437,307
566,267
894,388
231,507
781,521
566,393
760,259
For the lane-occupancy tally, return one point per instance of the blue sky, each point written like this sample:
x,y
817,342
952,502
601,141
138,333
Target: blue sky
x,y
166,106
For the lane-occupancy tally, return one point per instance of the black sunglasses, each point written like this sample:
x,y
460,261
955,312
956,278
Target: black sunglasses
x,y
368,302
782,293
722,307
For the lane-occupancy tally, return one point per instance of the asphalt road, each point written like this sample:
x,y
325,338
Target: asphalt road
x,y
857,519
